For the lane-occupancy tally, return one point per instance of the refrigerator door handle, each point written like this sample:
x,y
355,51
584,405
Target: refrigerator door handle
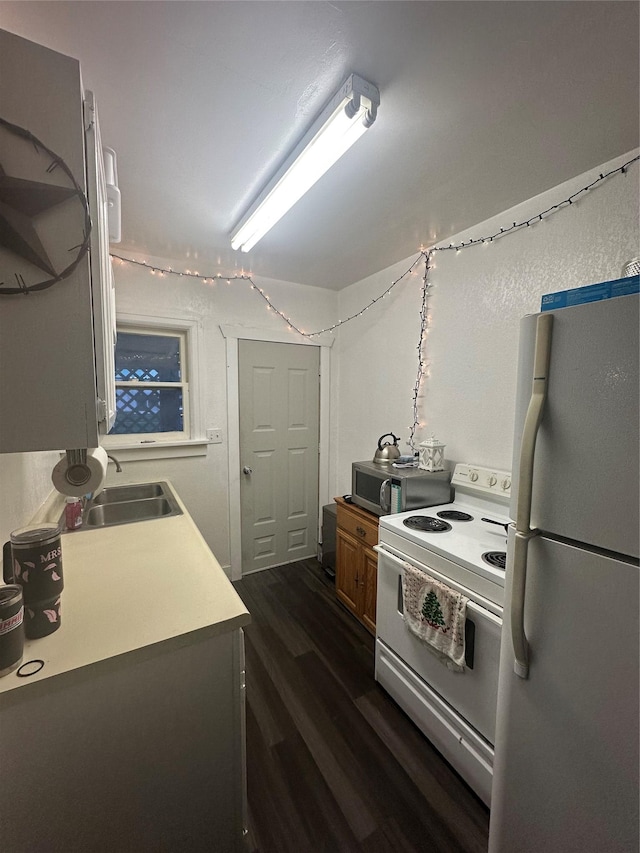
x,y
523,530
532,421
518,585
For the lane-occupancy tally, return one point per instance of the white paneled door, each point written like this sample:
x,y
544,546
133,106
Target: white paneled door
x,y
279,439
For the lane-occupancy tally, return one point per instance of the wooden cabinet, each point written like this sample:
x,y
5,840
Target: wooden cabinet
x,y
357,562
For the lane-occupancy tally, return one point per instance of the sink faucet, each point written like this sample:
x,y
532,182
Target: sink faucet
x,y
117,464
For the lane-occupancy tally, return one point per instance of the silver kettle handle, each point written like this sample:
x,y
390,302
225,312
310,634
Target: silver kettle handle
x,y
385,503
388,444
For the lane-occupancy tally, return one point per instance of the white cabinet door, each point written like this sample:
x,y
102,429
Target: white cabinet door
x,y
53,348
142,752
102,282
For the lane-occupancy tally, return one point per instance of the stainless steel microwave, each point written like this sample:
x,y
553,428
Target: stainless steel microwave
x,y
383,489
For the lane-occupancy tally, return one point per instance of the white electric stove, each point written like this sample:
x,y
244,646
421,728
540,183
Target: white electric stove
x,y
461,544
471,530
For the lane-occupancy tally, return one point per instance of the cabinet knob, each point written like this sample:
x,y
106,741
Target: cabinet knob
x,y
361,531
247,470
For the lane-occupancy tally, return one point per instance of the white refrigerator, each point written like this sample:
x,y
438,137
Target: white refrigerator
x,y
566,754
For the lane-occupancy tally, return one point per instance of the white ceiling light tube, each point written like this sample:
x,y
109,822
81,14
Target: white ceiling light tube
x,y
346,117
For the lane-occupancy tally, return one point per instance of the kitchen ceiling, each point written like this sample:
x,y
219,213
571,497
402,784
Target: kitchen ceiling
x,y
483,105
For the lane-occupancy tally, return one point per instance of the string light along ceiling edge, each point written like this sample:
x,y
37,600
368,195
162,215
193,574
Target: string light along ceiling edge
x,y
425,253
351,111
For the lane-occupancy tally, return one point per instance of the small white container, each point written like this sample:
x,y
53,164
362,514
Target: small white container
x,y
431,455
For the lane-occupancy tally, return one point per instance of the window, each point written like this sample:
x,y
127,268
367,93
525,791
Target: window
x,y
156,400
152,385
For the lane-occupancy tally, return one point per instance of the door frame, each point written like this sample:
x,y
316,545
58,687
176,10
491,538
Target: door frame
x,y
232,334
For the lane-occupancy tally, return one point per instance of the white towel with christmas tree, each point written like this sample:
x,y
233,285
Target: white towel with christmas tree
x,y
436,614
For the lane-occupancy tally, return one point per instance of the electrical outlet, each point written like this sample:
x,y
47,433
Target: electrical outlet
x,y
214,435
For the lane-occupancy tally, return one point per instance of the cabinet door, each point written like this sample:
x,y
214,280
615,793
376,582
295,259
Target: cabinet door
x,y
102,282
348,557
369,587
47,380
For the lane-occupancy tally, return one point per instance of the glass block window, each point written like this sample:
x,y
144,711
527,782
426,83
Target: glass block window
x,y
151,385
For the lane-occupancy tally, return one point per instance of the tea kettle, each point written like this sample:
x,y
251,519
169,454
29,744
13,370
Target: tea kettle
x,y
387,452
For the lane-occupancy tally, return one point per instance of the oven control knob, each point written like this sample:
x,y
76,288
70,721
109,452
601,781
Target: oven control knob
x,y
492,479
473,476
506,484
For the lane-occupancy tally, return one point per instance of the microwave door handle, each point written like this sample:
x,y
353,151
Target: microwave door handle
x,y
385,504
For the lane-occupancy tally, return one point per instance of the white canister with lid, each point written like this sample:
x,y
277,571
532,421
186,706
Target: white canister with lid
x,y
431,455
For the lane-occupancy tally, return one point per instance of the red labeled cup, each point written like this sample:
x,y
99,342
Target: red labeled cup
x,y
11,628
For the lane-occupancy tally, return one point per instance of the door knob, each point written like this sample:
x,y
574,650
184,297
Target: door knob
x,y
247,470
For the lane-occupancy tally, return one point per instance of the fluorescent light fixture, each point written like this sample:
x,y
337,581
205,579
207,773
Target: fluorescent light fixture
x,y
348,114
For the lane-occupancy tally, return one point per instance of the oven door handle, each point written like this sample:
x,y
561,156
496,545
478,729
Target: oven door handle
x,y
471,605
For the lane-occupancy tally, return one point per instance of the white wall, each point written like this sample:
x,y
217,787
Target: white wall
x,y
478,298
203,481
25,481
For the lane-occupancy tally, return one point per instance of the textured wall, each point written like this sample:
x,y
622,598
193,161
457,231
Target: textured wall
x,y
203,481
478,297
25,481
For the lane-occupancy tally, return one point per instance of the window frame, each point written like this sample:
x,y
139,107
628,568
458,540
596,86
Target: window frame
x,y
192,434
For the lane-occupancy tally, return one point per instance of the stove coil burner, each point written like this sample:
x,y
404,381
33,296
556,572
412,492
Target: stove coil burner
x,y
426,523
497,559
454,515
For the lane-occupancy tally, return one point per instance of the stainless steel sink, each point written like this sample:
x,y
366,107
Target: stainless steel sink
x,y
127,504
134,492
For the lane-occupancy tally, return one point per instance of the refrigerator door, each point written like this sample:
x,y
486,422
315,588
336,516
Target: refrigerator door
x,y
566,752
585,477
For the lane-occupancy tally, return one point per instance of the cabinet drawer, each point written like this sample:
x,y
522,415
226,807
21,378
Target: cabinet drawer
x,y
361,529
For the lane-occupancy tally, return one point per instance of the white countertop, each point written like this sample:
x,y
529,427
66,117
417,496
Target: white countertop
x,y
129,587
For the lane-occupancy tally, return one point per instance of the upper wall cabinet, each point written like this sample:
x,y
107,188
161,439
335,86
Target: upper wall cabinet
x,y
56,341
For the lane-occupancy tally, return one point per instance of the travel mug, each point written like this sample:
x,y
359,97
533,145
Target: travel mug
x,y
11,628
35,562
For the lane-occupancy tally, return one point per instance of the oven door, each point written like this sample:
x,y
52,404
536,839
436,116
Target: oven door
x,y
472,693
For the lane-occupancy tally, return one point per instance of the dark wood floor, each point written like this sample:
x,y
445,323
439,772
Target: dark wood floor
x,y
333,763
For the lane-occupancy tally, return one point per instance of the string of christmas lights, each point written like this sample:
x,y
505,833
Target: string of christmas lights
x,y
539,216
427,254
163,271
270,306
422,362
337,325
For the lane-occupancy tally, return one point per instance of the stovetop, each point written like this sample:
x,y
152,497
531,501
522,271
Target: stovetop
x,y
456,530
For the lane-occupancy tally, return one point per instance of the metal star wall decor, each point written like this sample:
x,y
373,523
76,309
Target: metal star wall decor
x,y
22,201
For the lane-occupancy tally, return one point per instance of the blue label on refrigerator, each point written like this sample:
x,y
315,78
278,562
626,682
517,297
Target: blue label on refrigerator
x,y
591,293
